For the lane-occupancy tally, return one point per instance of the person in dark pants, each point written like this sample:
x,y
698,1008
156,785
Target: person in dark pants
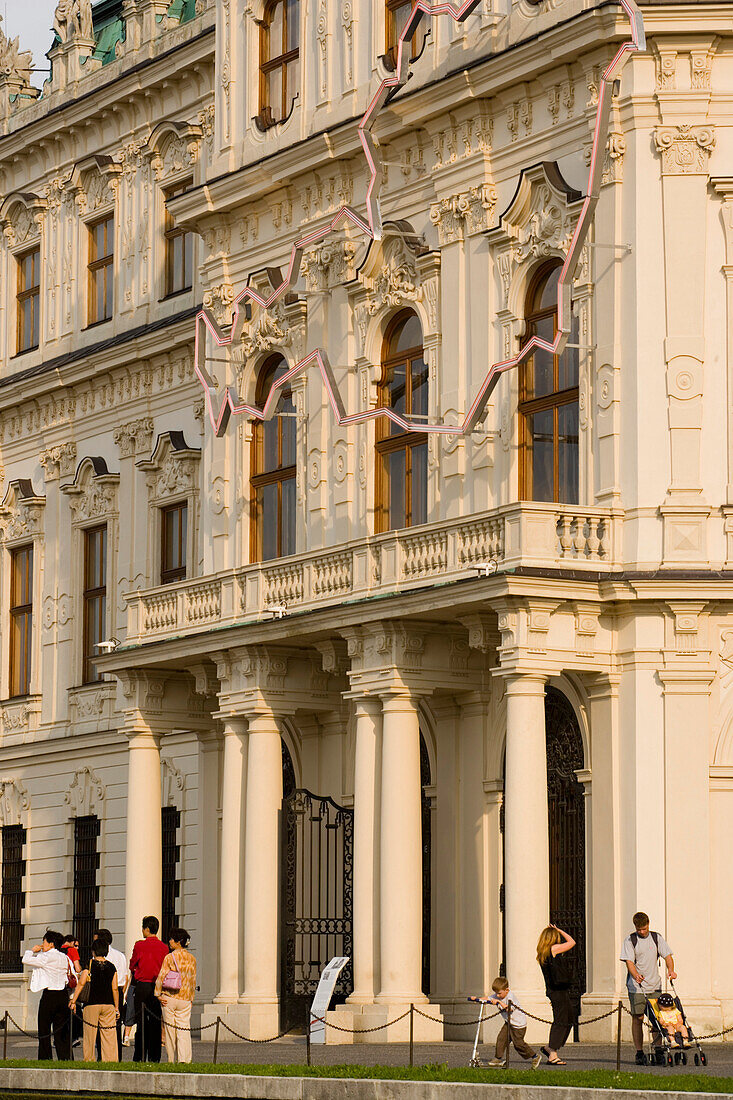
x,y
145,963
552,947
51,971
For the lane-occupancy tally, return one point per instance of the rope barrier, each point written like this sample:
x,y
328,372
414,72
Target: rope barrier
x,y
363,1030
245,1039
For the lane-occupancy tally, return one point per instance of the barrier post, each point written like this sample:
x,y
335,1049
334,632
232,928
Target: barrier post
x,y
412,1035
308,1039
618,1039
508,1033
5,1037
216,1039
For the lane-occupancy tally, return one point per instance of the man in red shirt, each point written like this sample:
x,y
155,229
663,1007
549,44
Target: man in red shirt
x,y
145,963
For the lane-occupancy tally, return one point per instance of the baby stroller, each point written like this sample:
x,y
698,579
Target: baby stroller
x,y
673,1049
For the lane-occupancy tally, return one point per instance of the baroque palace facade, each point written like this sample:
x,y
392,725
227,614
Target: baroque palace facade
x,y
368,692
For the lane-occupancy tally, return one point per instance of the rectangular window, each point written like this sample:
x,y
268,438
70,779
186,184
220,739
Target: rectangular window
x,y
29,299
95,598
101,270
178,249
21,619
86,891
171,820
13,899
174,525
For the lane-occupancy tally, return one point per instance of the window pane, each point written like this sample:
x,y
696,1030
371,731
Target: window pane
x,y
276,30
274,92
419,388
288,517
542,361
293,79
396,392
270,432
409,334
540,433
569,360
293,24
420,484
287,428
109,289
187,259
396,494
548,298
568,437
267,517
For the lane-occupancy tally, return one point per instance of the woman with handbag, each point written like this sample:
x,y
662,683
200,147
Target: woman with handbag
x,y
175,990
96,991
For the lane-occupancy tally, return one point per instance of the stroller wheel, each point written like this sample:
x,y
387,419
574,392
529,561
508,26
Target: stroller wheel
x,y
670,1060
697,1059
683,1059
703,1059
659,1057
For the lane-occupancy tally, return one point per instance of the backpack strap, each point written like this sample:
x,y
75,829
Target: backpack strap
x,y
634,940
634,937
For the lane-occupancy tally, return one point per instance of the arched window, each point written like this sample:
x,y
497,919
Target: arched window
x,y
548,403
273,471
402,457
279,60
396,15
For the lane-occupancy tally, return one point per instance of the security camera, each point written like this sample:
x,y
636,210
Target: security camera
x,y
277,610
486,568
108,646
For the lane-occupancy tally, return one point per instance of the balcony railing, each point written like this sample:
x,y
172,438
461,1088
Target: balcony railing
x,y
538,535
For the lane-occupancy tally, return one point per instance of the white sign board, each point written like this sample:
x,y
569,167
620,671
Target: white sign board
x,y
323,996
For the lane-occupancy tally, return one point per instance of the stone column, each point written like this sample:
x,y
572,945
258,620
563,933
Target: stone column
x,y
366,850
261,867
144,875
526,840
400,877
232,862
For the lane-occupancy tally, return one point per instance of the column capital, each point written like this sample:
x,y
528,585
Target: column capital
x,y
233,724
520,682
143,738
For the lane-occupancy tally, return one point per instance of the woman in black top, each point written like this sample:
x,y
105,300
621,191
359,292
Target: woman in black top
x,y
551,948
100,1008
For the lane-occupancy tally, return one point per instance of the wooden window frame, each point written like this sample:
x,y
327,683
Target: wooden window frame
x,y
269,64
277,476
387,443
555,400
29,297
20,686
390,30
173,574
100,263
97,595
171,233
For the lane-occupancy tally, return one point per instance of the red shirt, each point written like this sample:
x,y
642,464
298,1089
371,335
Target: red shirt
x,y
147,959
72,953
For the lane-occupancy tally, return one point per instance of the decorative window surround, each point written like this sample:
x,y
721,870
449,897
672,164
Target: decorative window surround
x,y
92,706
173,148
14,802
21,219
93,493
94,182
86,794
172,475
21,522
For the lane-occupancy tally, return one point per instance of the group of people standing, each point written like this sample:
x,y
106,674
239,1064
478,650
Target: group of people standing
x,y
154,995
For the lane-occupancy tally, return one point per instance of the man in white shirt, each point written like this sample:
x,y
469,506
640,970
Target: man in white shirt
x,y
123,978
50,971
642,951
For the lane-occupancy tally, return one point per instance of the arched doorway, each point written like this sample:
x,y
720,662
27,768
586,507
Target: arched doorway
x,y
566,811
316,895
427,879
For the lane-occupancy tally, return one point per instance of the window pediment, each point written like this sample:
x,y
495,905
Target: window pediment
x,y
172,469
173,147
93,182
14,801
93,492
21,217
21,512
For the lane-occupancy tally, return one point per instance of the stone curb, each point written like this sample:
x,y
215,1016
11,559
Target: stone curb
x,y
210,1086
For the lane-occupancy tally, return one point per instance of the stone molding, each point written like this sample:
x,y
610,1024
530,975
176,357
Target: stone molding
x,y
93,492
685,150
14,801
86,794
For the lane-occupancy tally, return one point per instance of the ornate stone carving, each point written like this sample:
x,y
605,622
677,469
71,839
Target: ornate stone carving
x,y
173,468
173,147
86,793
58,461
469,212
685,150
219,300
347,22
21,217
613,160
396,282
14,801
73,19
94,181
21,512
15,64
329,265
135,437
93,493
268,329
171,783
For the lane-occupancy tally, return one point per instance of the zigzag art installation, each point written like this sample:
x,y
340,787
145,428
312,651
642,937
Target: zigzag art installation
x,y
371,227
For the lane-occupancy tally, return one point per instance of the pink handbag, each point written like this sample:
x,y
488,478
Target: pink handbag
x,y
172,980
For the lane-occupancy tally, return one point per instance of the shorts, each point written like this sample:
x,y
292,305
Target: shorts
x,y
637,1000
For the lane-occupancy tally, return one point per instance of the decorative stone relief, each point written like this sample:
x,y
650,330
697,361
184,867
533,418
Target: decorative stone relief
x,y
396,282
329,265
135,437
173,147
93,493
14,801
21,512
94,182
219,299
86,794
206,122
21,218
171,783
685,150
613,160
15,64
347,23
173,468
469,212
58,461
73,19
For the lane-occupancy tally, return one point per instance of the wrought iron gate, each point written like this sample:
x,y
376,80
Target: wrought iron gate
x,y
316,899
566,800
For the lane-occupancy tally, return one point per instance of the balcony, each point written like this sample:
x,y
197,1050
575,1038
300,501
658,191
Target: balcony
x,y
545,536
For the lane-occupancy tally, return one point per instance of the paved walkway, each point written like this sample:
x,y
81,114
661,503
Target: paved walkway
x,y
291,1051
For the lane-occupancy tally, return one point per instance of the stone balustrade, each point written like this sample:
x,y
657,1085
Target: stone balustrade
x,y
535,534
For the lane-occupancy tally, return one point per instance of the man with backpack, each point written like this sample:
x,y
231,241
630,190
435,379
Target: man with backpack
x,y
641,952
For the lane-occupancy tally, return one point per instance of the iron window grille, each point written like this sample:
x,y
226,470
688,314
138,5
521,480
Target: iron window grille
x,y
171,820
86,890
29,299
13,899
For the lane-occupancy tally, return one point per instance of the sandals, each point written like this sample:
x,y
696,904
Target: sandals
x,y
556,1062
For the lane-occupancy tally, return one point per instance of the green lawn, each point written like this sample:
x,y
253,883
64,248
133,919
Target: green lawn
x,y
593,1078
